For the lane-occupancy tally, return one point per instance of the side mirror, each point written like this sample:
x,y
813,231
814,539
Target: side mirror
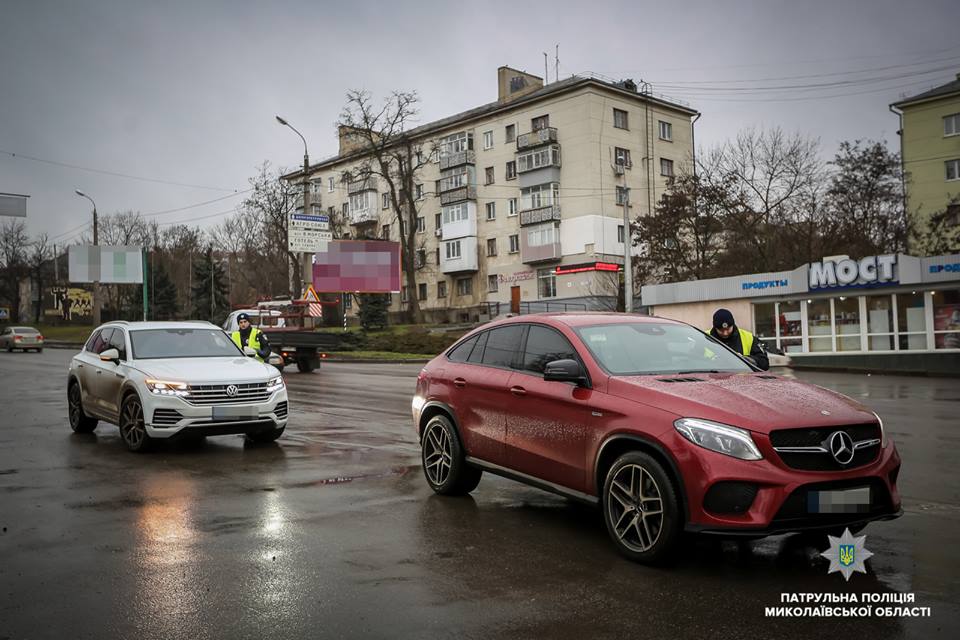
x,y
110,355
564,371
249,351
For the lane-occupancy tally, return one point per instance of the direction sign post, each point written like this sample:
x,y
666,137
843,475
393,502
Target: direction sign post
x,y
308,233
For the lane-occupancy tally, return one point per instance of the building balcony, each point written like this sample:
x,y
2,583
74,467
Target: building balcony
x,y
540,214
356,186
458,195
465,260
363,216
461,228
540,244
547,135
457,159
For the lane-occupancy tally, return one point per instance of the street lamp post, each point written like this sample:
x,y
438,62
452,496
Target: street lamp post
x,y
306,263
96,242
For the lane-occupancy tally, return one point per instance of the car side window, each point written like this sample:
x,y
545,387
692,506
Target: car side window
x,y
545,345
103,341
92,341
502,346
462,351
476,356
118,341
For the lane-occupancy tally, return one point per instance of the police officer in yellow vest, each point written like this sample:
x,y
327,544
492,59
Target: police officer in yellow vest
x,y
740,340
250,336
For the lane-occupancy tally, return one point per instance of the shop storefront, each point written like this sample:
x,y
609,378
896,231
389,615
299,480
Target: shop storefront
x,y
893,312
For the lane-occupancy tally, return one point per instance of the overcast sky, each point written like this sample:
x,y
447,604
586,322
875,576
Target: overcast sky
x,y
185,92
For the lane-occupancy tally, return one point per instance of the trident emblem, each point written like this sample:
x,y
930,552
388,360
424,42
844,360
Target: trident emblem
x,y
847,554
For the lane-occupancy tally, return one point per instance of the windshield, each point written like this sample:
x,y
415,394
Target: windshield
x,y
639,348
182,343
25,330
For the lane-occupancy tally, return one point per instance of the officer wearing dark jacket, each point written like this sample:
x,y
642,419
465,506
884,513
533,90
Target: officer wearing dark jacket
x,y
740,340
250,336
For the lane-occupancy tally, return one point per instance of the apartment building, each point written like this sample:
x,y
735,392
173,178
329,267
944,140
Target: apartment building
x,y
930,152
521,207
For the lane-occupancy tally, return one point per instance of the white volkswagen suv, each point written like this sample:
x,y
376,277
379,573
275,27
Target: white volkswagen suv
x,y
163,379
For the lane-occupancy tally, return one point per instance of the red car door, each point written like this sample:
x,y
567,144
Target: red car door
x,y
548,422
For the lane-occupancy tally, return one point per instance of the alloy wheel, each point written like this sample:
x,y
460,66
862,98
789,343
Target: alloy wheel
x,y
437,454
73,406
635,508
132,428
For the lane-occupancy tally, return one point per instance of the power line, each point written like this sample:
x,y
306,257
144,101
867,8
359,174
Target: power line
x,y
199,204
111,173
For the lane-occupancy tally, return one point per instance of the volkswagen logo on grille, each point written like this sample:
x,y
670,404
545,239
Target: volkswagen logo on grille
x,y
232,390
841,447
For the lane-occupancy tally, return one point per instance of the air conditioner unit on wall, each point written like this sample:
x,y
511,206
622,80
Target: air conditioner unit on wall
x,y
618,168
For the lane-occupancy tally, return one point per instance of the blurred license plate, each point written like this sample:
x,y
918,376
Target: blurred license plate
x,y
841,501
235,412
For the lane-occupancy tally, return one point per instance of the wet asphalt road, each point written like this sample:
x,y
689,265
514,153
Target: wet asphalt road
x,y
332,532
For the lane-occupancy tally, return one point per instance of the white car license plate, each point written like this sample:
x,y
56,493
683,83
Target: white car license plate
x,y
235,412
841,501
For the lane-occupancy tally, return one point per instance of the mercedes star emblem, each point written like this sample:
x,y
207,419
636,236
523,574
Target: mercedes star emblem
x,y
232,390
824,412
841,446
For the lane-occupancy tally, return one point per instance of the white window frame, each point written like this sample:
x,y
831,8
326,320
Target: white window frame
x,y
542,235
418,191
330,184
455,213
456,143
951,125
666,130
453,250
540,195
549,275
955,164
495,247
514,243
508,175
491,208
493,285
359,202
488,139
421,224
543,157
512,208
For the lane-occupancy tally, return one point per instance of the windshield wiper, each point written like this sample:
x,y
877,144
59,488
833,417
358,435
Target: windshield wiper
x,y
698,371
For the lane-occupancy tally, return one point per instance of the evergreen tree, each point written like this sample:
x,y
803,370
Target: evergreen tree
x,y
163,294
373,310
209,279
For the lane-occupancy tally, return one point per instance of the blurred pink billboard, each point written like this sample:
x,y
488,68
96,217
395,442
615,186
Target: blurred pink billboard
x,y
366,266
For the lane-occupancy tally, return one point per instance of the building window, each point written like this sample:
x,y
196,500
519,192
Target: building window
x,y
545,157
666,131
456,178
346,209
437,255
546,283
819,326
491,211
540,122
953,169
422,291
623,195
455,213
491,246
360,203
385,232
418,191
541,195
488,139
489,175
492,284
911,321
453,249
946,319
316,208
438,221
385,201
510,133
456,143
622,157
511,172
620,233
331,210
880,336
514,243
951,125
512,207
666,167
542,235
464,286
404,293
442,289
846,322
330,184
421,224
620,119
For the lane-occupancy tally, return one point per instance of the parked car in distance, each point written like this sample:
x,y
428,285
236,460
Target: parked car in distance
x,y
158,380
661,426
23,338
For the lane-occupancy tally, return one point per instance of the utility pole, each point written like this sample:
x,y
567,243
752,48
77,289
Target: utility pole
x,y
212,274
306,261
96,242
627,262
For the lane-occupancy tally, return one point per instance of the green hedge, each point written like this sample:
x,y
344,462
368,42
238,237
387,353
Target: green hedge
x,y
418,341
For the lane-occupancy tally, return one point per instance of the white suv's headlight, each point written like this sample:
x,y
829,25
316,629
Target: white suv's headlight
x,y
166,387
721,438
275,384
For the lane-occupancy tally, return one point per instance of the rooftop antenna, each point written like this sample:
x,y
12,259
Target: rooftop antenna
x,y
546,69
556,57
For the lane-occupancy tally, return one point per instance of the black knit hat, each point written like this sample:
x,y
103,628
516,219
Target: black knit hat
x,y
243,316
722,319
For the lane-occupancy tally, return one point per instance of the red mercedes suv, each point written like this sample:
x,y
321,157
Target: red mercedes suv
x,y
662,426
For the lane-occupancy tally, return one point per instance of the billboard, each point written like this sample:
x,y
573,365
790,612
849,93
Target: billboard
x,y
114,265
365,266
12,204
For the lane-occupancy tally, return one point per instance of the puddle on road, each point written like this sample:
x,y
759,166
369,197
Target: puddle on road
x,y
335,480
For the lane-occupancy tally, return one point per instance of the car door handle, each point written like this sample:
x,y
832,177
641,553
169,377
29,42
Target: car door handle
x,y
99,372
459,382
518,391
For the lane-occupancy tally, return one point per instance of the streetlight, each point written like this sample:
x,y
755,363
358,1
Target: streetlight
x,y
96,283
306,263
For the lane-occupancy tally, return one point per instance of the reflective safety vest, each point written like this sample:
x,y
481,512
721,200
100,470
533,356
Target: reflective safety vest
x,y
253,340
746,341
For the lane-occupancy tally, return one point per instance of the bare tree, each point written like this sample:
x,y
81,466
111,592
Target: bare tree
x,y
13,263
940,234
390,154
40,265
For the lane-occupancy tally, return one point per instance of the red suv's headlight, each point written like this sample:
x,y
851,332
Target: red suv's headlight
x,y
722,438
